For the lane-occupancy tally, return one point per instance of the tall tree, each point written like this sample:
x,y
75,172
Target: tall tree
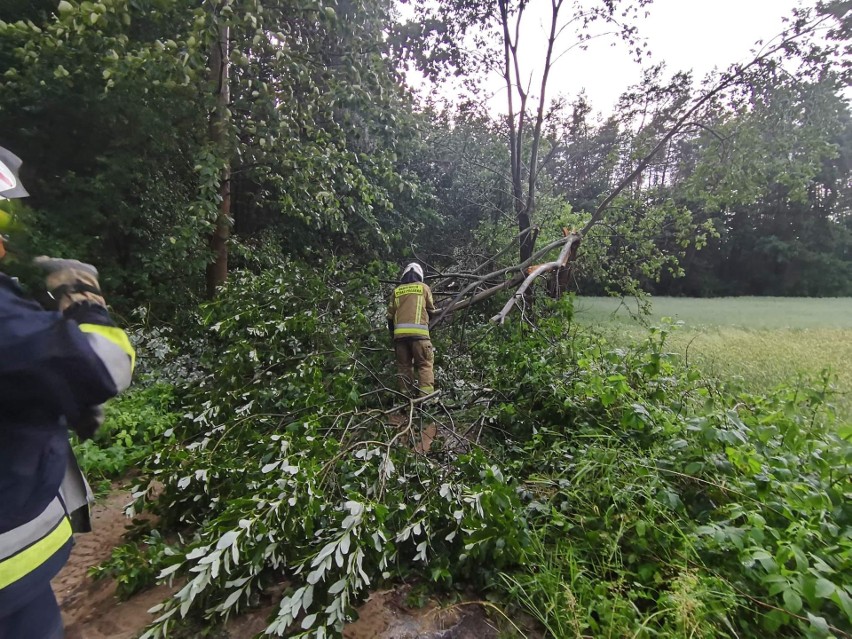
x,y
800,44
775,180
220,53
498,47
316,131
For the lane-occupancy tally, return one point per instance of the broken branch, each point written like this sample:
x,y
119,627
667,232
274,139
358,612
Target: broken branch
x,y
571,242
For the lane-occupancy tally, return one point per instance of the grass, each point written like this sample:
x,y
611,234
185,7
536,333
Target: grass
x,y
759,341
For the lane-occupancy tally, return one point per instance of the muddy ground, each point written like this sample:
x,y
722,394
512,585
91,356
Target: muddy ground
x,y
91,611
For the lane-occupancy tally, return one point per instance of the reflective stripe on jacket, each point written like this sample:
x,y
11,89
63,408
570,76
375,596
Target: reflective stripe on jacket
x,y
409,310
25,548
53,368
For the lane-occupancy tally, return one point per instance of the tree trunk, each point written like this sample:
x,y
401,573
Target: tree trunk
x,y
527,239
217,270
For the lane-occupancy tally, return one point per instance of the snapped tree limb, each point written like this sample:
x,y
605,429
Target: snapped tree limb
x,y
459,302
736,74
572,241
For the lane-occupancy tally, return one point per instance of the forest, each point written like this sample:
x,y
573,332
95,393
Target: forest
x,y
249,177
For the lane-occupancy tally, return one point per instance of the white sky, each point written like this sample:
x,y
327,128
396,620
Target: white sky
x,y
686,34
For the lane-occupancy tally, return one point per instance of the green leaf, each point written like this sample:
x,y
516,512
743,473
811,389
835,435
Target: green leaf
x,y
792,601
844,601
337,587
824,588
819,623
231,599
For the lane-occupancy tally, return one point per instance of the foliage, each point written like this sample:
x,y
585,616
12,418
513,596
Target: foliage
x,y
772,178
650,499
759,342
133,567
84,89
135,425
752,137
109,105
635,466
286,469
606,488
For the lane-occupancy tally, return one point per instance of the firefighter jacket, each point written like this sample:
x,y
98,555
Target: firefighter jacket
x,y
409,309
54,368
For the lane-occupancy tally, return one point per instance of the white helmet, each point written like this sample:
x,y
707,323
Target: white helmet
x,y
414,266
10,184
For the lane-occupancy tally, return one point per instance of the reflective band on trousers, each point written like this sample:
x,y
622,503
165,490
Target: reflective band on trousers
x,y
25,548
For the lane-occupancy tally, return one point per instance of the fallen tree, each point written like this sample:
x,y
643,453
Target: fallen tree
x,y
799,39
288,489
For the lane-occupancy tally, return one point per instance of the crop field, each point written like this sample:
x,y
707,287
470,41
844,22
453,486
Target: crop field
x,y
761,341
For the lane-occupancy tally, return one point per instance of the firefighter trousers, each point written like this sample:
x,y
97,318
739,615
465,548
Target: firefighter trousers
x,y
37,619
416,352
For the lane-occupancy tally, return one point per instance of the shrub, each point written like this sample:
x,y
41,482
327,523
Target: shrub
x,y
135,426
606,490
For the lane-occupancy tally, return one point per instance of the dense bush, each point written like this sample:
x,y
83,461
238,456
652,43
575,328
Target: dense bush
x,y
134,425
665,504
606,491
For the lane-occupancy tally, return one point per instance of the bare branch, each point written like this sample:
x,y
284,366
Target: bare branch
x,y
571,242
457,303
709,130
539,120
727,80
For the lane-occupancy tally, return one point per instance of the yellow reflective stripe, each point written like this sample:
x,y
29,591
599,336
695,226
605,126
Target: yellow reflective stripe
x,y
419,309
408,289
14,541
20,565
115,335
411,331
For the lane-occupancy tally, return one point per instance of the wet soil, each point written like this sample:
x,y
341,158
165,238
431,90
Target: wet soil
x,y
90,609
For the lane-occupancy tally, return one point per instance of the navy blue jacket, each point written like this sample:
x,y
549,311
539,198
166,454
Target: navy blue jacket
x,y
49,375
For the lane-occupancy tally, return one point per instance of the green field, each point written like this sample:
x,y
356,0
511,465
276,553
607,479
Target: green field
x,y
762,341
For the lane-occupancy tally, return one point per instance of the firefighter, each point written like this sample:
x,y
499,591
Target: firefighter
x,y
56,368
409,309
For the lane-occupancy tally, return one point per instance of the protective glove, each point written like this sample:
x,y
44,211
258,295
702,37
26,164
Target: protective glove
x,y
88,422
71,281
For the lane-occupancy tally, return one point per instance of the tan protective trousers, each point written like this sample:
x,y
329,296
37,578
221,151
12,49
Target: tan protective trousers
x,y
419,352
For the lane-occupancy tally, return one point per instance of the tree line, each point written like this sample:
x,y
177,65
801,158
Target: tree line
x,y
172,141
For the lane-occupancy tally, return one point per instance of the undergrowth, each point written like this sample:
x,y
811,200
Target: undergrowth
x,y
133,427
760,342
605,490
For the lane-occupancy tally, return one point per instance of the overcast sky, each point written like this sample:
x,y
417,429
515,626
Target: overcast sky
x,y
686,34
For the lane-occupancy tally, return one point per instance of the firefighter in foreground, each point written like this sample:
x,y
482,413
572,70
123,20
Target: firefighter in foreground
x,y
56,368
408,321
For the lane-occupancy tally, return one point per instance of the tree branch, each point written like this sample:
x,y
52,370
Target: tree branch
x,y
457,303
571,242
728,80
